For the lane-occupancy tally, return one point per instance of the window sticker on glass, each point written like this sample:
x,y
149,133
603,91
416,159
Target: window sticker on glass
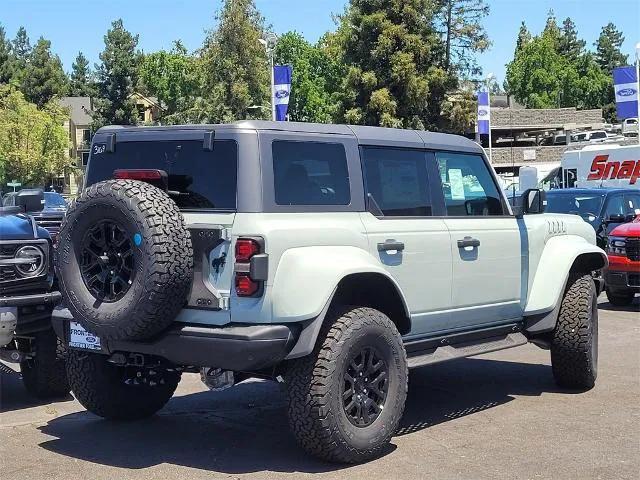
x,y
457,184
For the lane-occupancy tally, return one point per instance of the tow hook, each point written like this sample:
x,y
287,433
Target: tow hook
x,y
216,379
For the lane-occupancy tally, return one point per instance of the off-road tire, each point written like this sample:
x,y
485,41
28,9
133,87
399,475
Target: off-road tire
x,y
620,299
162,259
314,383
45,375
99,386
574,344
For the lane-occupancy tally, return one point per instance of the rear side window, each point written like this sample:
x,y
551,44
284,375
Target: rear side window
x,y
397,181
310,173
468,186
198,179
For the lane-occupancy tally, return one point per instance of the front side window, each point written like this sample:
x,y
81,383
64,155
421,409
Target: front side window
x,y
397,181
468,186
310,173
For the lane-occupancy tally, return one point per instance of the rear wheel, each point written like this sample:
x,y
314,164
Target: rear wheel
x,y
118,392
347,397
620,298
574,344
44,375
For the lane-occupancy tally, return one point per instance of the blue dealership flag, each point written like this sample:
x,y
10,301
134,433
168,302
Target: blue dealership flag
x,y
281,90
625,85
484,113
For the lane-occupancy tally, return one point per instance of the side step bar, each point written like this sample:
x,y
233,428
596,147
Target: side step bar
x,y
433,350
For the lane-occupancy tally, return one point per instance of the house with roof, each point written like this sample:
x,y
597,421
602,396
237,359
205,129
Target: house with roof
x,y
79,127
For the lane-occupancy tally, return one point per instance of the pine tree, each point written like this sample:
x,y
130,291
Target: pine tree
x,y
608,53
20,53
524,37
81,84
116,77
5,58
570,46
43,77
236,69
397,76
551,28
463,33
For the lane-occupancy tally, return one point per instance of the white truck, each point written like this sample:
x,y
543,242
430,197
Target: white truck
x,y
332,258
598,166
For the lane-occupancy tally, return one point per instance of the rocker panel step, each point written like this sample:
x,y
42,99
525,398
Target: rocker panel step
x,y
466,349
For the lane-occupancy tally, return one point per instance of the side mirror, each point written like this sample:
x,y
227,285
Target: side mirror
x,y
534,201
30,199
616,218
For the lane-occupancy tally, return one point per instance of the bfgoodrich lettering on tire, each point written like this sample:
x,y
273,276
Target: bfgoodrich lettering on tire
x,y
346,398
574,345
124,260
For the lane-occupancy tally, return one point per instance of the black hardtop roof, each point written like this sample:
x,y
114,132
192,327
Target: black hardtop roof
x,y
365,135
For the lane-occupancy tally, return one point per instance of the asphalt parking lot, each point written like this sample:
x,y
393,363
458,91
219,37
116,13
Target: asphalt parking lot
x,y
495,416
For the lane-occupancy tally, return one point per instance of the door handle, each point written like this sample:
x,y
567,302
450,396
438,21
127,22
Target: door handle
x,y
468,242
390,245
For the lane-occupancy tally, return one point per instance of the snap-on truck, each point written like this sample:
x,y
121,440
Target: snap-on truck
x,y
600,166
331,258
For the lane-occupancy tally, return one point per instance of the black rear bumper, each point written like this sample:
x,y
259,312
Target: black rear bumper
x,y
50,298
238,347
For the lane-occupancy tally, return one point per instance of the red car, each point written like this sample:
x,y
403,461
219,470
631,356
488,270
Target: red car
x,y
622,277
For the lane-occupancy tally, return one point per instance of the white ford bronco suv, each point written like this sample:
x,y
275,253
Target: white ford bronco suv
x,y
331,258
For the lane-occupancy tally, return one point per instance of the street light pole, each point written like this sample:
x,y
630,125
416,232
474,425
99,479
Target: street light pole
x,y
488,81
269,42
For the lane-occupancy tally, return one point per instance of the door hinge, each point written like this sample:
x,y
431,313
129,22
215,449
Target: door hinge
x,y
224,303
224,234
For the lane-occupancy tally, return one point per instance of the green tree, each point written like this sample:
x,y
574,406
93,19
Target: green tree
x,y
316,78
608,45
5,58
33,141
524,37
174,77
20,53
81,82
569,45
396,73
116,77
43,77
236,70
551,28
464,34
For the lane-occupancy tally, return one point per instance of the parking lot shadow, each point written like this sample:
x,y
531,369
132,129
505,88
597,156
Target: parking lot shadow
x,y
244,429
13,395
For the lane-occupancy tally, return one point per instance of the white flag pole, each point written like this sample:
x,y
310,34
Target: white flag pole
x,y
490,149
638,87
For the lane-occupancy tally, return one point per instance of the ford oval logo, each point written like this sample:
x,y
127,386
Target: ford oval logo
x,y
627,92
482,112
282,94
90,339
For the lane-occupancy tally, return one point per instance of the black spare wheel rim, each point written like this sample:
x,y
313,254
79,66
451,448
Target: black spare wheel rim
x,y
365,386
107,261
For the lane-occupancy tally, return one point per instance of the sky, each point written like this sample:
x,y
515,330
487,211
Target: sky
x,y
74,25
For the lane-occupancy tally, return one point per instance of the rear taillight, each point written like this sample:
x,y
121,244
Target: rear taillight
x,y
250,263
246,248
245,286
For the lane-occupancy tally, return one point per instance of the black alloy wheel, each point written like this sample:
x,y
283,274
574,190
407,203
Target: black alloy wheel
x,y
365,387
107,261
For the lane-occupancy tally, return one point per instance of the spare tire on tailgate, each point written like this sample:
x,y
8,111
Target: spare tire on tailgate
x,y
124,260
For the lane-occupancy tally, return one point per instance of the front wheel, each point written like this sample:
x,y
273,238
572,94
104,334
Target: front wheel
x,y
44,375
347,397
119,392
621,298
574,345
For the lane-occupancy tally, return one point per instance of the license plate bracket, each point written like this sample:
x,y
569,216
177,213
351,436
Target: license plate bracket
x,y
81,339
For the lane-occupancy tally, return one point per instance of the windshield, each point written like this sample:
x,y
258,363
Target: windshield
x,y
52,199
587,205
